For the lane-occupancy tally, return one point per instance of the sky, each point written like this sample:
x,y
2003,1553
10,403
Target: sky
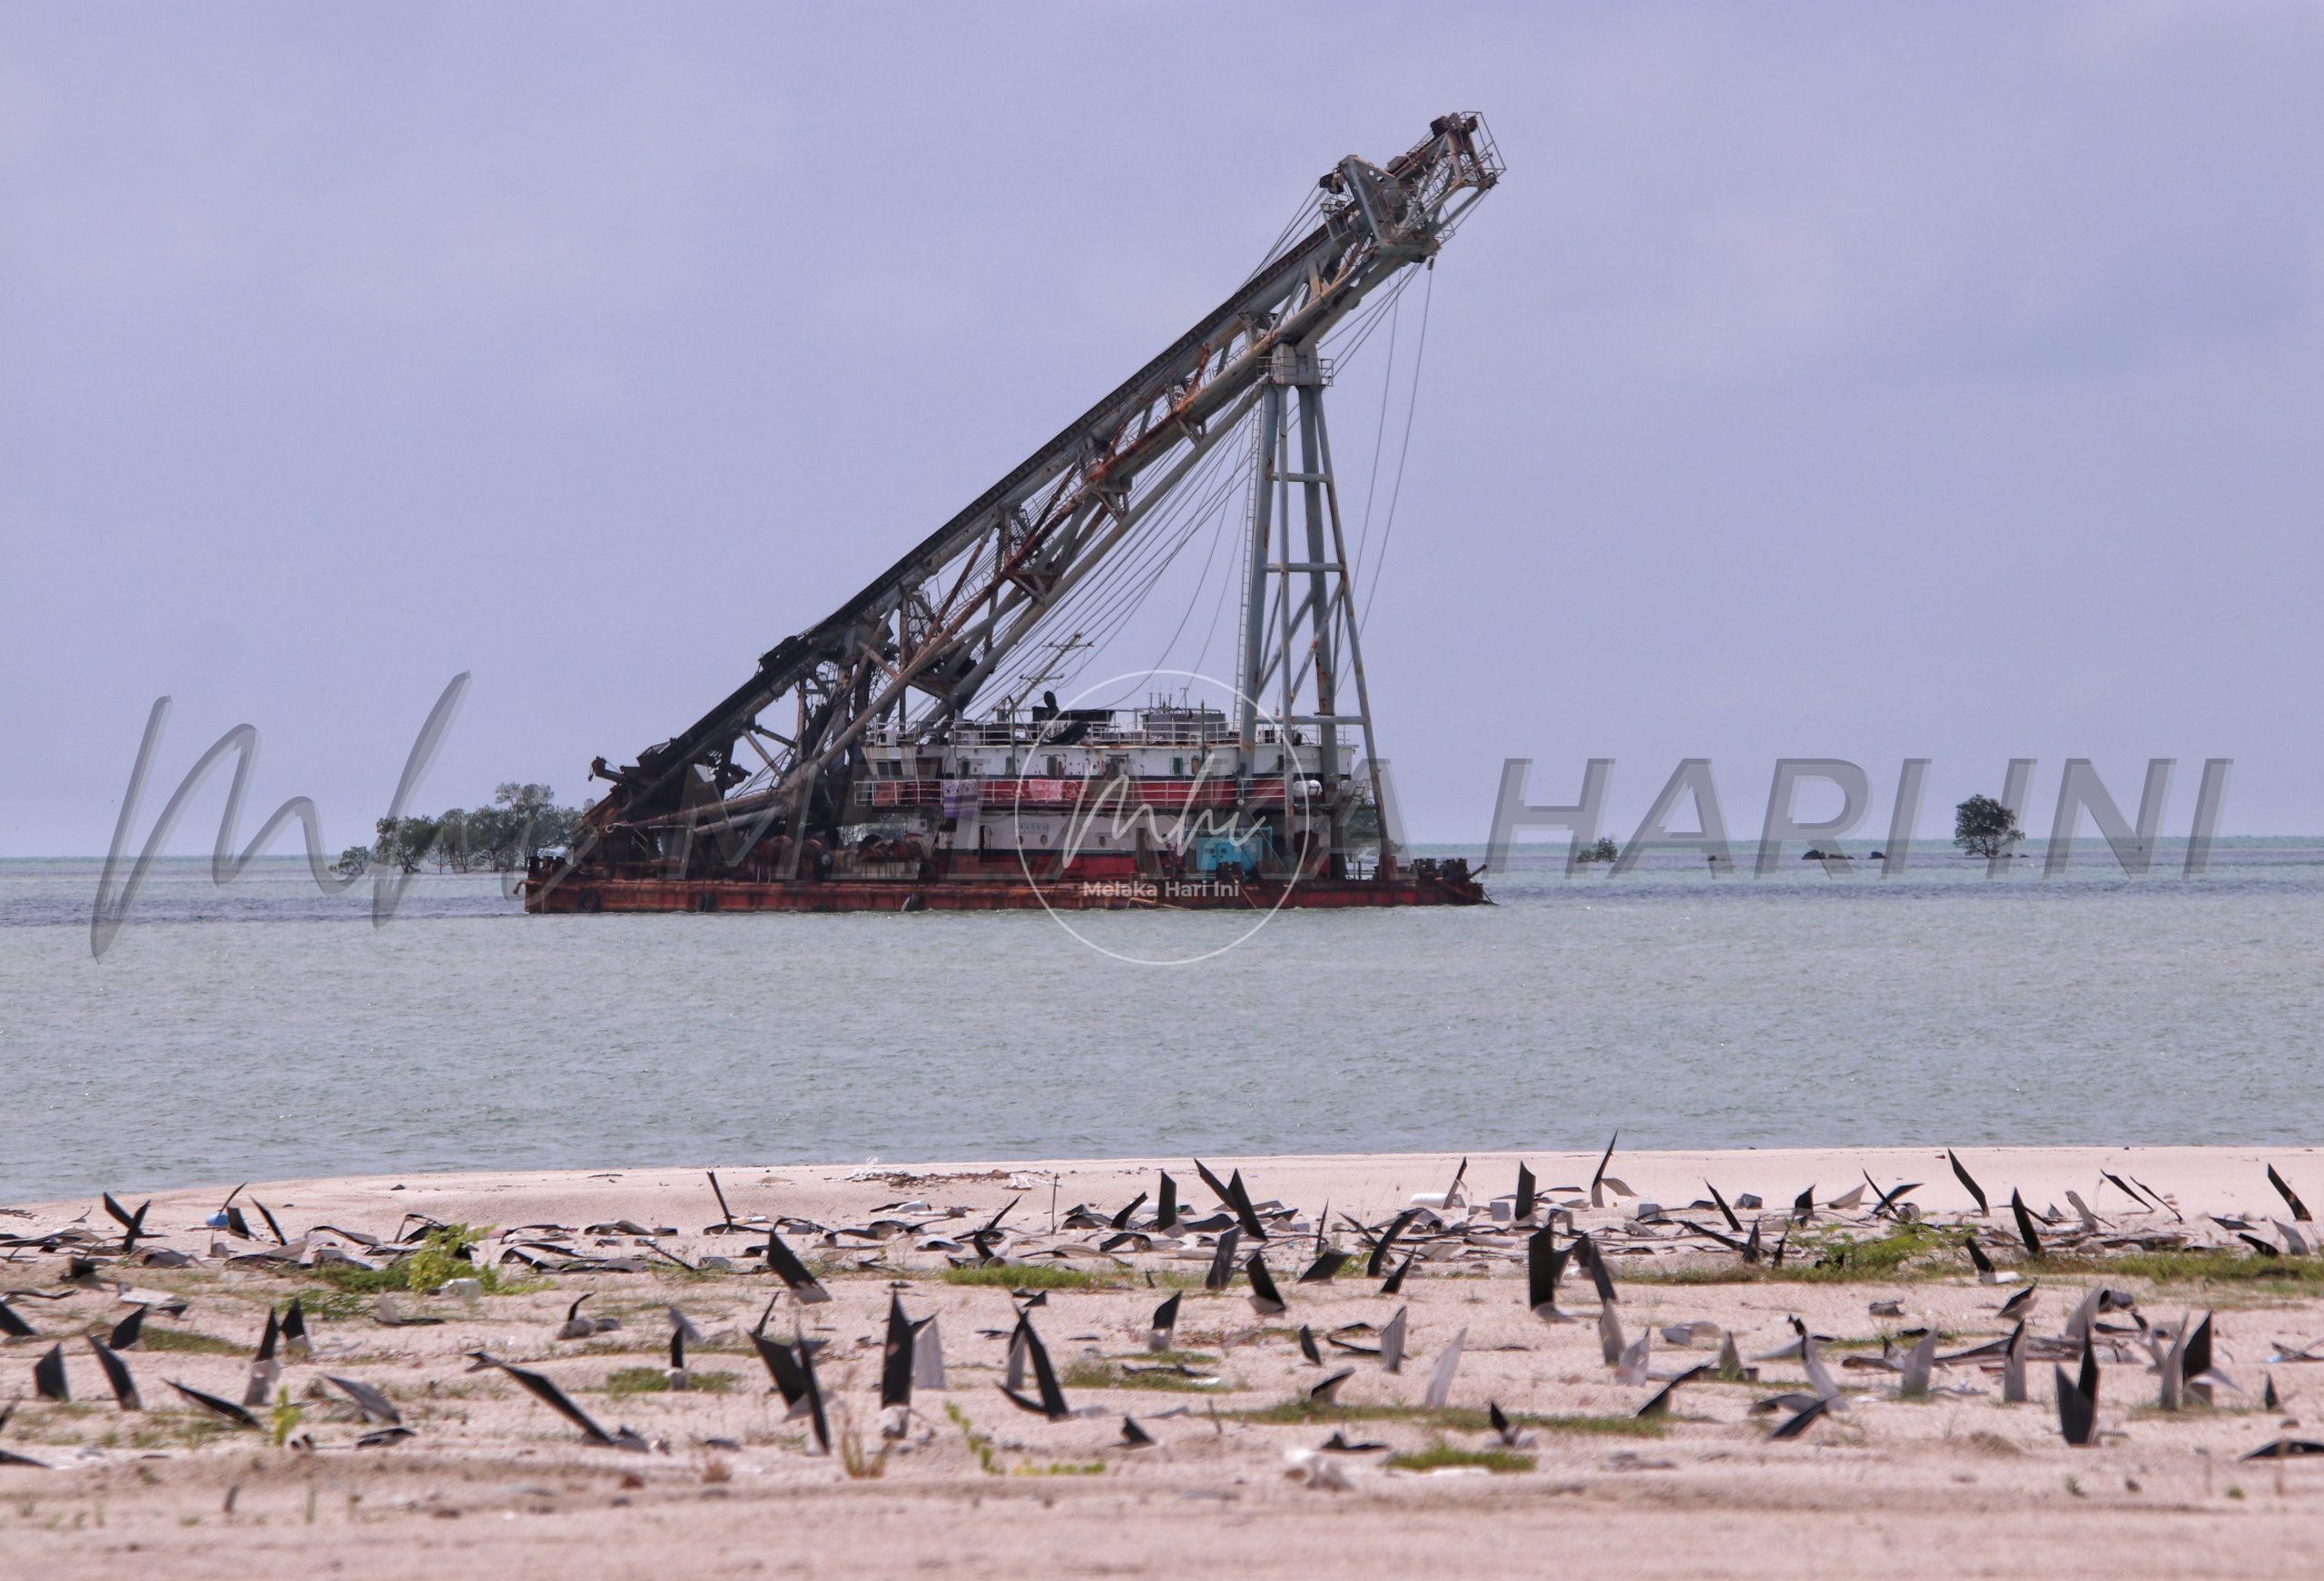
x,y
1858,381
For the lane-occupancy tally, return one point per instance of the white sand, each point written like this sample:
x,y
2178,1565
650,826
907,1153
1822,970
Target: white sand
x,y
496,1486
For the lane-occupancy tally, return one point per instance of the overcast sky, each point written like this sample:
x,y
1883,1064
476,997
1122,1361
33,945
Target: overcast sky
x,y
1857,381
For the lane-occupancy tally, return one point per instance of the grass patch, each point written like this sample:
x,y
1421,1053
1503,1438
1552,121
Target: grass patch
x,y
671,1274
1907,1253
1439,1455
988,1459
1029,1276
860,1464
1887,1337
1063,1276
1614,1427
189,1342
2216,1265
1173,1278
326,1305
1299,1410
1911,1252
51,1422
165,1430
657,1381
1090,1373
979,1444
1173,1357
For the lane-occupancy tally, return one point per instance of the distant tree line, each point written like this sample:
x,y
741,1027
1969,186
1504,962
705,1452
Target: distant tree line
x,y
522,822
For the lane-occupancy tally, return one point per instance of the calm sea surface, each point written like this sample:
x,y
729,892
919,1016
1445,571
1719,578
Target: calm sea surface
x,y
260,1030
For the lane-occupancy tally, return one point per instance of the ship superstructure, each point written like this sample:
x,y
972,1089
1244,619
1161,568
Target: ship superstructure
x,y
1102,794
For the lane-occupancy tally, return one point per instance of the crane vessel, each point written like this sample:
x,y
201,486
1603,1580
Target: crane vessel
x,y
909,752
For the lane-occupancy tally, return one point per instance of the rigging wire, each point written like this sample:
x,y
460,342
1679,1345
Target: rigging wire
x,y
1379,433
1104,600
1193,599
1135,595
1412,404
1130,593
1226,584
1309,208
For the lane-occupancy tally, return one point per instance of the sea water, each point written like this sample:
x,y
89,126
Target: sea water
x,y
260,1030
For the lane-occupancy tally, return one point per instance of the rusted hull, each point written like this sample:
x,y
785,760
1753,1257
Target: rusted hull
x,y
586,896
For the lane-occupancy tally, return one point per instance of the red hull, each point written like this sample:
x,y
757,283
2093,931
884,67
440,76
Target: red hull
x,y
584,894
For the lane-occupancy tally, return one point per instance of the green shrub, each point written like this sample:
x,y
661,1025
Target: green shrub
x,y
1439,1454
657,1381
444,1254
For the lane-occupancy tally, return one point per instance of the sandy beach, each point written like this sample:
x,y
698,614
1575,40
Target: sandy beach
x,y
490,1481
